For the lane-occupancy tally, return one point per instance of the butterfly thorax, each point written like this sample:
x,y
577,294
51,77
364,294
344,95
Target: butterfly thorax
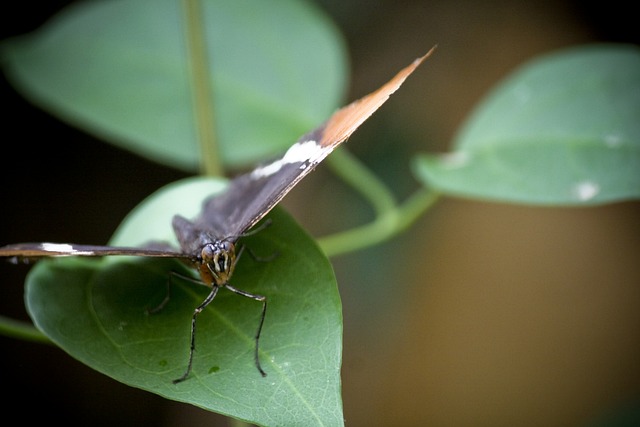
x,y
216,262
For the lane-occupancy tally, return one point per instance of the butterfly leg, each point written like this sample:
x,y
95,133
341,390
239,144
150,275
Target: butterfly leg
x,y
263,300
167,296
255,256
192,347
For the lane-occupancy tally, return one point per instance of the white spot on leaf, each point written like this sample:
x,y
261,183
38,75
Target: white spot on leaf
x,y
455,160
586,190
612,140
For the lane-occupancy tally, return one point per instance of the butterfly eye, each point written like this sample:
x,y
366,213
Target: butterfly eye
x,y
227,247
208,252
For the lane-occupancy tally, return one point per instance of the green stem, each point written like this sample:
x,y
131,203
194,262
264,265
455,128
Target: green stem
x,y
360,178
380,229
210,163
391,218
21,330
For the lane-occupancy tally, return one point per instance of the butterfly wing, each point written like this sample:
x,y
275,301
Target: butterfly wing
x,y
249,197
28,251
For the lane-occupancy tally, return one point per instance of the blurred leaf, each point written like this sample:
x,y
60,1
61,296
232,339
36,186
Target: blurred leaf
x,y
118,69
563,130
96,311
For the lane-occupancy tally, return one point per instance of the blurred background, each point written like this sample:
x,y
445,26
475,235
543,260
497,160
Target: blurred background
x,y
483,314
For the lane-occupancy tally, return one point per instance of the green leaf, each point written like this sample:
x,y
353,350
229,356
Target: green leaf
x,y
563,130
96,310
118,69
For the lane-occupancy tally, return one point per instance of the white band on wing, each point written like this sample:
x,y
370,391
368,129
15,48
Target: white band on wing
x,y
302,152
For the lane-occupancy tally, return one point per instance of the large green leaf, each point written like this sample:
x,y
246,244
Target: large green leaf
x,y
118,69
563,130
96,310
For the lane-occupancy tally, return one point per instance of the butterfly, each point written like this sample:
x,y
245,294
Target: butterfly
x,y
209,241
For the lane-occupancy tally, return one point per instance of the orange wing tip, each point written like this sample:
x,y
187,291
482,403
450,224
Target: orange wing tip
x,y
346,120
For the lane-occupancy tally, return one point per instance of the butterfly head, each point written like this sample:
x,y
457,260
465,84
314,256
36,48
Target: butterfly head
x,y
217,261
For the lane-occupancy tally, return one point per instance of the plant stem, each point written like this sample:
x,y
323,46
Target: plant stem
x,y
21,330
360,178
210,163
391,218
382,228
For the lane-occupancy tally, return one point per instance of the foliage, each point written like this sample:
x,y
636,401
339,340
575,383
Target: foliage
x,y
562,130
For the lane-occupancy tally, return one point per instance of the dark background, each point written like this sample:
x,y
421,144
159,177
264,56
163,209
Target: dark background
x,y
483,314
